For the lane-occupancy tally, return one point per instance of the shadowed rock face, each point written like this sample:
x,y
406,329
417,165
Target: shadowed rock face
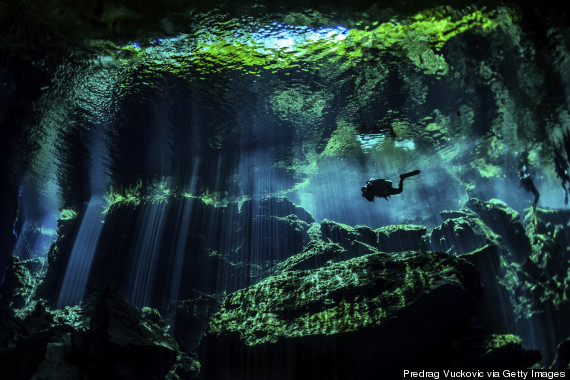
x,y
480,223
111,340
233,244
120,343
523,267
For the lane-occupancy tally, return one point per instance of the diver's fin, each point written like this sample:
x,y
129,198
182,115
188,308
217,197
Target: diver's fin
x,y
409,174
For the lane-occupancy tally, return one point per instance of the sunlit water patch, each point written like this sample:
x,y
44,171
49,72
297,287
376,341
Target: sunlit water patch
x,y
82,253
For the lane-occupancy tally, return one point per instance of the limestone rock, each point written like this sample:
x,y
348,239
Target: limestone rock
x,y
462,235
503,221
351,318
400,238
451,214
276,206
273,228
348,237
122,344
23,349
562,359
187,367
317,254
480,223
489,352
18,285
190,320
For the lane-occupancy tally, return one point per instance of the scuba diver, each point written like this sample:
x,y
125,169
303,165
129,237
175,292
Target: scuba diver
x,y
526,179
382,188
561,167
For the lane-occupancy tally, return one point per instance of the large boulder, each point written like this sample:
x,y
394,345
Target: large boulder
x,y
27,345
272,228
503,221
121,344
478,224
349,319
350,238
462,235
190,319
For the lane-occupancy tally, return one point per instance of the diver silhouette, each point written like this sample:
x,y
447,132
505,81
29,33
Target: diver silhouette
x,y
526,178
382,188
561,167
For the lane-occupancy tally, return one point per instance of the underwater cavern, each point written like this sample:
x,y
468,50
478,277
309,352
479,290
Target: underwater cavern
x,y
184,188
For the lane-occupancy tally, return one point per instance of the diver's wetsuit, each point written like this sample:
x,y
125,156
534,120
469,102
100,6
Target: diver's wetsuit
x,y
561,167
382,188
528,184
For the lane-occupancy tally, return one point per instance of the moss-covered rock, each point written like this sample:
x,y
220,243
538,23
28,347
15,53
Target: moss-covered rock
x,y
462,235
493,351
480,223
401,237
350,318
348,237
503,221
317,254
18,285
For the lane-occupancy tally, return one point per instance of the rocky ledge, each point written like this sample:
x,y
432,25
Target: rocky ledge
x,y
352,319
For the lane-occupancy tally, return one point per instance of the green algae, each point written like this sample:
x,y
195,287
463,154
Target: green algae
x,y
341,297
253,50
342,142
67,214
160,191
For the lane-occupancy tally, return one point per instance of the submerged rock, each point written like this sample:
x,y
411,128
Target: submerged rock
x,y
317,254
26,345
401,237
478,224
190,319
122,344
462,235
562,359
486,352
351,318
18,286
524,267
348,237
234,243
118,343
272,229
503,221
